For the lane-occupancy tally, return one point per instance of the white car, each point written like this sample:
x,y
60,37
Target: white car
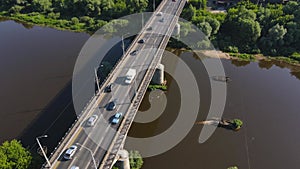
x,y
92,120
74,167
70,152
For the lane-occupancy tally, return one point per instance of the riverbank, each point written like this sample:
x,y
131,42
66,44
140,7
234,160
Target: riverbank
x,y
37,19
247,57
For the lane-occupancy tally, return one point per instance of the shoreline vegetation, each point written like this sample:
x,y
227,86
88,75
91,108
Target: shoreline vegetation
x,y
271,30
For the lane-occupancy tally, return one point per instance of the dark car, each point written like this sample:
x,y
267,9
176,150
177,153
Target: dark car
x,y
111,105
149,28
108,88
141,41
134,52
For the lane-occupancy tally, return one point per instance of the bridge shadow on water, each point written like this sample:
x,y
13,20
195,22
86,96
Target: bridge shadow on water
x,y
54,120
58,116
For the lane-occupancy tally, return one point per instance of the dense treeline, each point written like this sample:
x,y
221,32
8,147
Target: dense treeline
x,y
78,15
13,155
272,29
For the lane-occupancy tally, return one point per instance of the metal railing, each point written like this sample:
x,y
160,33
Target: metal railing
x,y
128,119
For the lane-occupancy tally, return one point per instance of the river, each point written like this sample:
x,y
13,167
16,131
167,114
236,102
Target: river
x,y
36,68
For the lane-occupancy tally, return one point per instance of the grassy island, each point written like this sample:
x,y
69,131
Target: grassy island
x,y
234,124
161,87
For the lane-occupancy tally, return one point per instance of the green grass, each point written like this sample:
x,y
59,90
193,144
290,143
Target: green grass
x,y
237,123
161,87
42,20
243,56
290,60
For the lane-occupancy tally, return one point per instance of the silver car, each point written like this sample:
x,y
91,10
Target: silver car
x,y
92,120
70,152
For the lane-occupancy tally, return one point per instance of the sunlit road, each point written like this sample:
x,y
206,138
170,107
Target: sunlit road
x,y
99,137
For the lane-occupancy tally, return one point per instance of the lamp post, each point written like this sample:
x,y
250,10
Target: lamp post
x,y
153,5
97,79
44,154
123,45
142,20
94,161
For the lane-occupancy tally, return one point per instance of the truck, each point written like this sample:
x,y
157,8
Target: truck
x,y
130,76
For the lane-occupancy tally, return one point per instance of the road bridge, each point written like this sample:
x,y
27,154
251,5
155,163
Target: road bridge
x,y
111,137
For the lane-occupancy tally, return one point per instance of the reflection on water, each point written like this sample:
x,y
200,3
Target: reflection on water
x,y
265,97
36,64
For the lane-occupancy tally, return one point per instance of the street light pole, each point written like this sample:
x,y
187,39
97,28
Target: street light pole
x,y
44,154
97,80
153,5
142,20
94,161
123,45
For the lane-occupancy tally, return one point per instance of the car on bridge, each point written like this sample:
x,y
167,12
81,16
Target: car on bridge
x,y
92,120
134,52
108,88
70,152
111,105
117,118
74,167
141,41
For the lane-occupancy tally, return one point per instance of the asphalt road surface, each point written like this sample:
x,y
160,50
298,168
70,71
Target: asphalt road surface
x,y
98,138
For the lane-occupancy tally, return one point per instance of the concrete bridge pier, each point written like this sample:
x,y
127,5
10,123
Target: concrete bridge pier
x,y
158,77
176,31
123,159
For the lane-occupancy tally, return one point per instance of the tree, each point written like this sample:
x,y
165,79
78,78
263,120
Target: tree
x,y
135,160
205,28
41,5
214,23
242,28
233,167
13,155
290,7
274,39
188,13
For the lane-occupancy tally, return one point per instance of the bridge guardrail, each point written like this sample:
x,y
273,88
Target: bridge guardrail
x,y
128,119
68,135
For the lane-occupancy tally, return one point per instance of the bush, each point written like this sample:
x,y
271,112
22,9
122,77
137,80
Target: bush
x,y
135,160
13,155
296,56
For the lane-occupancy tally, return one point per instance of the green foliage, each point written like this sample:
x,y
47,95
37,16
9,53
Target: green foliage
x,y
13,155
205,28
237,123
153,87
242,56
296,56
135,160
233,167
272,29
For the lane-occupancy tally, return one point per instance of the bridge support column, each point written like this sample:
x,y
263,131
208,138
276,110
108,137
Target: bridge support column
x,y
123,160
176,31
158,77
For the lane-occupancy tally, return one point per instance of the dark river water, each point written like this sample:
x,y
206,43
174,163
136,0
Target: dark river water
x,y
36,68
